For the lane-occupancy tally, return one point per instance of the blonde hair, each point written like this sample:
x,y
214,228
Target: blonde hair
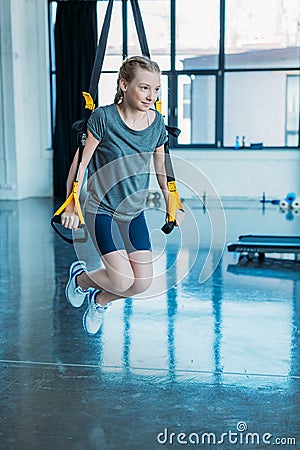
x,y
128,71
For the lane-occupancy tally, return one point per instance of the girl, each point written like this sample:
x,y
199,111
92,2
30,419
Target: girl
x,y
121,139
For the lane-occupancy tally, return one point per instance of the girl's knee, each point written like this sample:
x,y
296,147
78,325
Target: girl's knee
x,y
122,283
141,285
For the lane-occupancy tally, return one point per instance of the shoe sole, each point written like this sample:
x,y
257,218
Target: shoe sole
x,y
69,283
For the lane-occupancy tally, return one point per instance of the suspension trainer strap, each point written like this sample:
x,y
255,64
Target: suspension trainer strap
x,y
141,33
174,201
91,96
101,48
140,28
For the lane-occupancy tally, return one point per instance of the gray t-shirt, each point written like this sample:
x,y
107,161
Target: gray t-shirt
x,y
119,171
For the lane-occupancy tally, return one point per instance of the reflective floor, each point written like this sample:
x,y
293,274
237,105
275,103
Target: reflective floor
x,y
211,364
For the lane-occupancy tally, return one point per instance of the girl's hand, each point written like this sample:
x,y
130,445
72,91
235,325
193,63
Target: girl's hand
x,y
179,216
70,219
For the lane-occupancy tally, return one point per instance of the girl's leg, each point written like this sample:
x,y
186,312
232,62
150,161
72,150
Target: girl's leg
x,y
125,252
141,263
124,275
117,276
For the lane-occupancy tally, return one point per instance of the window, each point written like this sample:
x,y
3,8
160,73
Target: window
x,y
186,103
262,34
230,68
156,19
113,55
292,110
255,107
196,109
197,26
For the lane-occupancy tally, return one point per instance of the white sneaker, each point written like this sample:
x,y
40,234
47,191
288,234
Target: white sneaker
x,y
74,294
94,314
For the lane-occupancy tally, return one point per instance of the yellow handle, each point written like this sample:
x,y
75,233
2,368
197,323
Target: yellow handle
x,y
73,195
158,105
174,201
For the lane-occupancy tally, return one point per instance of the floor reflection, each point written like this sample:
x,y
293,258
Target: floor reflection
x,y
193,357
228,326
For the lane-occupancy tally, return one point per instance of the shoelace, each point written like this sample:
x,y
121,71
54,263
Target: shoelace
x,y
101,308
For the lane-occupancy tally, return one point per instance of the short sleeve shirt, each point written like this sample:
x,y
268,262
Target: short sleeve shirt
x,y
119,170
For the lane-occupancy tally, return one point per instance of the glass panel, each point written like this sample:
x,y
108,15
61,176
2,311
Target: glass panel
x,y
255,107
156,19
52,14
262,34
196,109
197,28
53,102
163,96
292,140
113,55
107,88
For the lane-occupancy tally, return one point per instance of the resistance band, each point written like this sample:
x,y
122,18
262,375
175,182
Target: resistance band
x,y
174,201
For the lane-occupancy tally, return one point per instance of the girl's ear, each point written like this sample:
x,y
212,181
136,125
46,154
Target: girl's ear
x,y
123,84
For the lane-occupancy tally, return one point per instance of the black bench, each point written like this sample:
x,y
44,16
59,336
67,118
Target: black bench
x,y
250,244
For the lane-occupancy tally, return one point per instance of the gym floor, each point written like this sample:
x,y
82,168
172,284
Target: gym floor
x,y
216,361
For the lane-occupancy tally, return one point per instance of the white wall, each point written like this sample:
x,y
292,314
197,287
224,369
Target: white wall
x,y
26,161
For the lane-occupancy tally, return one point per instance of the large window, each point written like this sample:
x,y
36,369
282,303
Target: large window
x,y
197,34
196,109
261,34
156,19
255,107
261,81
230,68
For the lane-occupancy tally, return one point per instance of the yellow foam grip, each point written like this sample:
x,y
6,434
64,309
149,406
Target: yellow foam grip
x,y
89,102
73,195
174,201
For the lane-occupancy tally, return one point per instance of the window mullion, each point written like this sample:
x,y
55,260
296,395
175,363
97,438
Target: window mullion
x,y
172,77
220,80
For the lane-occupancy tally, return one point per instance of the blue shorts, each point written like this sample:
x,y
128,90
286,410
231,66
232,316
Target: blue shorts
x,y
109,234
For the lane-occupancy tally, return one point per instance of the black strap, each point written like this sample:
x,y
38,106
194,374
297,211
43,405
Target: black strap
x,y
98,63
102,44
100,52
175,132
169,225
81,126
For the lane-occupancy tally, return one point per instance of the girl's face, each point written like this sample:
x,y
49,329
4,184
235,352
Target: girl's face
x,y
141,93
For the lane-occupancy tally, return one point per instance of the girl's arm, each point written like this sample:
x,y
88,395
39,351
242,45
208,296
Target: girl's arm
x,y
160,169
69,218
